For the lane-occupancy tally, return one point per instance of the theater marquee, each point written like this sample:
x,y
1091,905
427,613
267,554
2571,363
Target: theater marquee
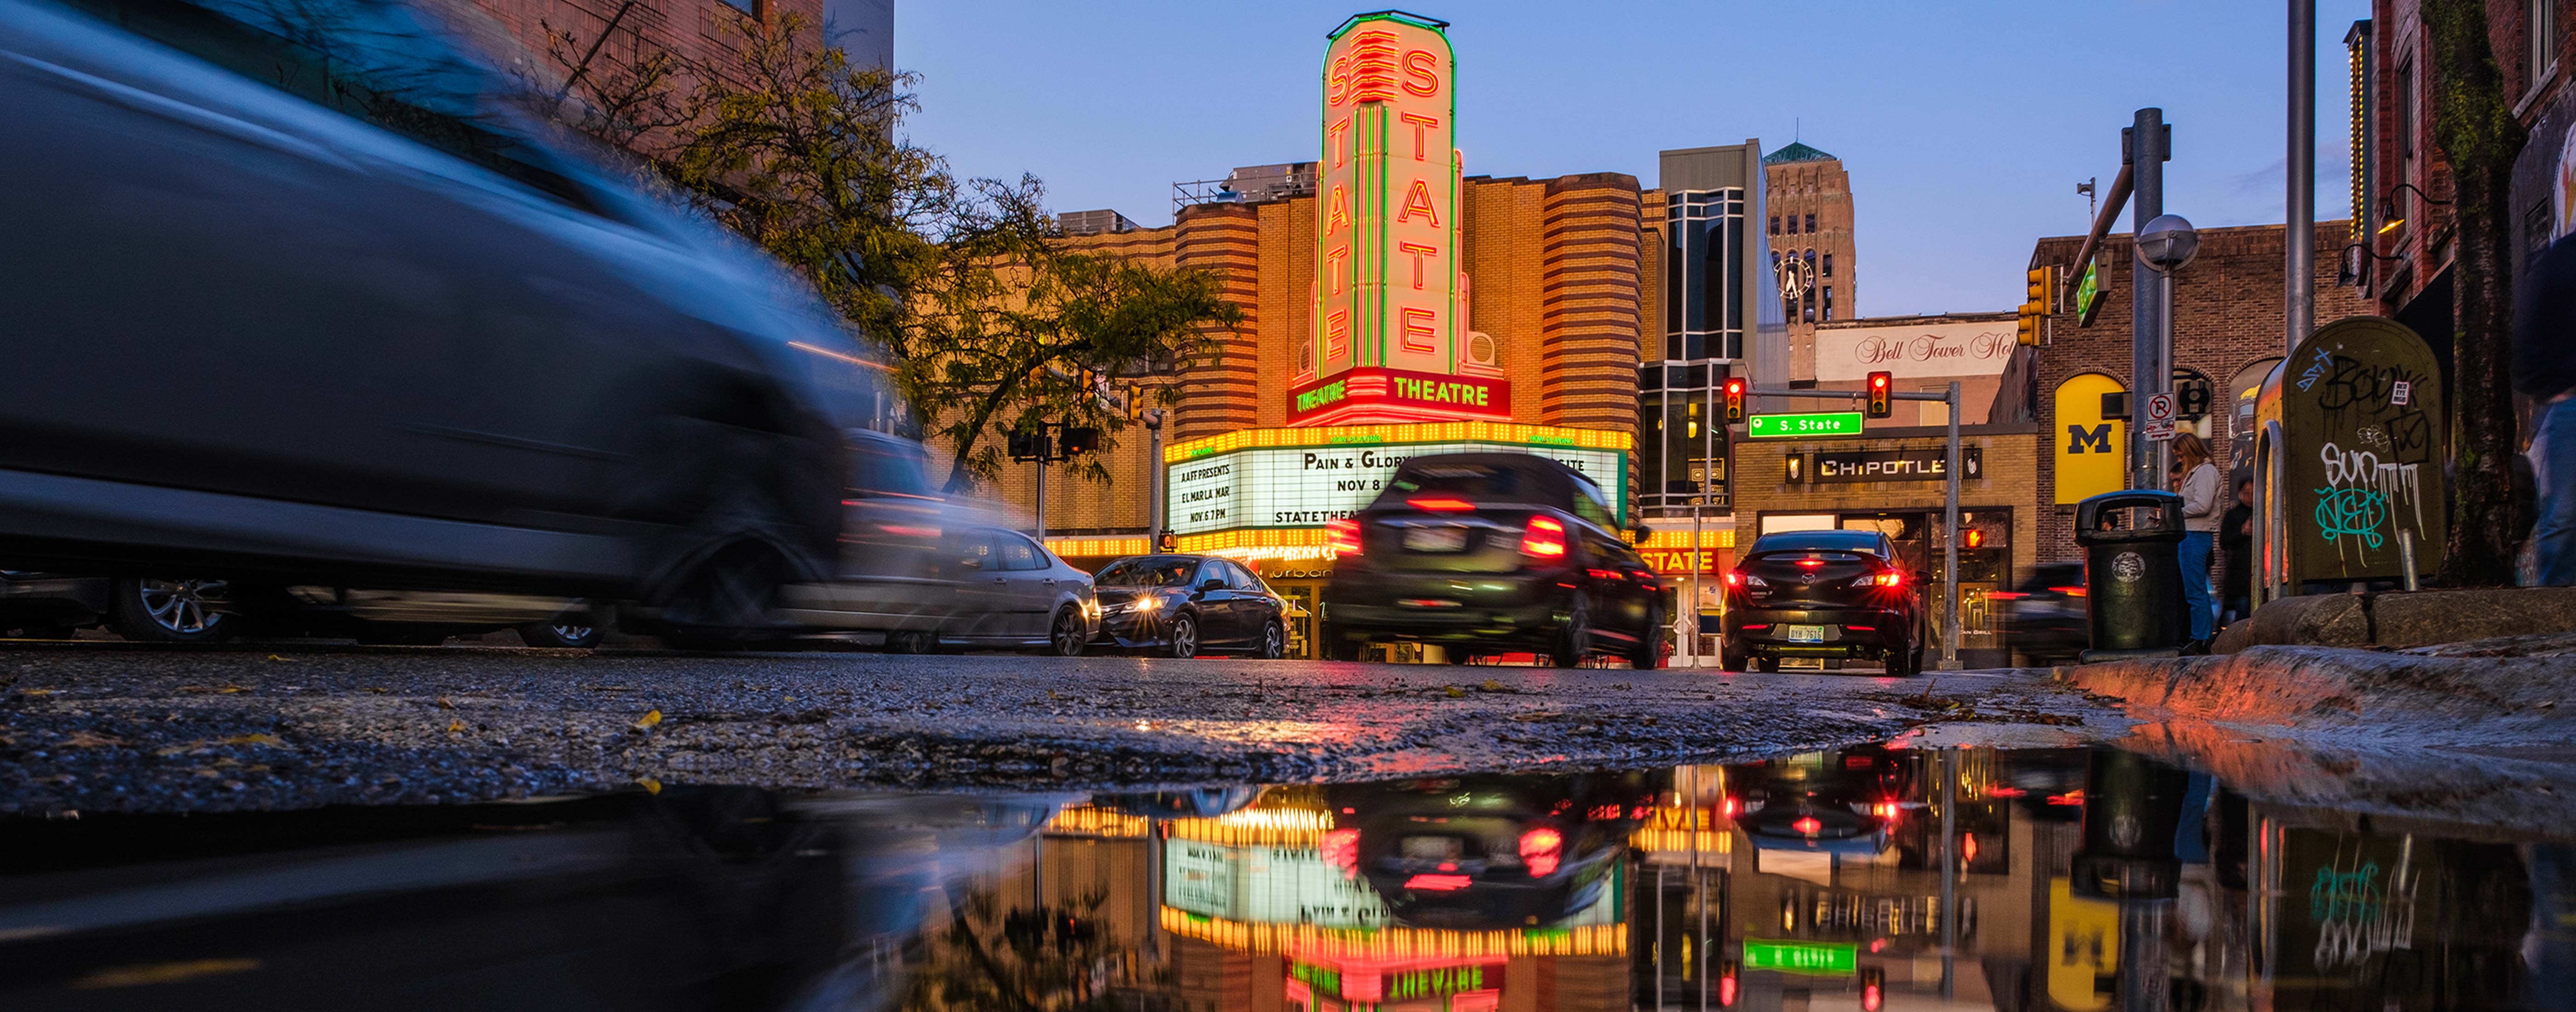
x,y
1300,478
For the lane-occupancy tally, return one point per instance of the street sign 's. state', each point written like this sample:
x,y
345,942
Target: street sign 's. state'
x,y
1830,423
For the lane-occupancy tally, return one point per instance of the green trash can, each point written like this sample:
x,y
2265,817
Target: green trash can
x,y
2132,575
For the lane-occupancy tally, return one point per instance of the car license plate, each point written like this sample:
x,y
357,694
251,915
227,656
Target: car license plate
x,y
1803,633
1435,539
1431,848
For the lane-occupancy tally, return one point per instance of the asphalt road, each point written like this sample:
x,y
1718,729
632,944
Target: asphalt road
x,y
105,726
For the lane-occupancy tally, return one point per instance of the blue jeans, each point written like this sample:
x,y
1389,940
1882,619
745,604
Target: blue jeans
x,y
2554,470
2196,601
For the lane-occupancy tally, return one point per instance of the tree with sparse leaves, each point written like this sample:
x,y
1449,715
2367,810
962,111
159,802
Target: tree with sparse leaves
x,y
989,322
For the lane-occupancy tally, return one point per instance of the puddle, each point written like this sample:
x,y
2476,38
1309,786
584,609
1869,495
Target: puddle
x,y
1865,878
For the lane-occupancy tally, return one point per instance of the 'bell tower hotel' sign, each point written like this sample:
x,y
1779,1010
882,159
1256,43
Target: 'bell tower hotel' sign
x,y
1390,341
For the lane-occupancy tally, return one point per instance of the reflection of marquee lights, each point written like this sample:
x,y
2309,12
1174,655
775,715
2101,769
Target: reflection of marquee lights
x,y
1273,553
1311,942
1256,827
1663,840
1088,820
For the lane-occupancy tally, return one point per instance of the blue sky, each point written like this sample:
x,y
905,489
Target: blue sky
x,y
1964,124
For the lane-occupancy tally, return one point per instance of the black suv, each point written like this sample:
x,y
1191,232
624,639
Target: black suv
x,y
1488,553
1823,594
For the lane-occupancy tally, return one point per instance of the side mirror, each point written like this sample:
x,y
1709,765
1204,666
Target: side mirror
x,y
1211,583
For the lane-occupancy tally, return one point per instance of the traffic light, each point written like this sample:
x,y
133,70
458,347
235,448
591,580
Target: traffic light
x,y
2039,297
1030,446
1734,400
1972,538
1873,988
1729,984
1079,439
1881,394
2026,331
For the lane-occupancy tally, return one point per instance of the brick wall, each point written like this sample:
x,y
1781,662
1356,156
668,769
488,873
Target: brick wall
x,y
2228,312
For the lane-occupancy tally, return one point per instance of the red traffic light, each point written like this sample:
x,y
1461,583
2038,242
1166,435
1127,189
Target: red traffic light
x,y
1734,400
1880,401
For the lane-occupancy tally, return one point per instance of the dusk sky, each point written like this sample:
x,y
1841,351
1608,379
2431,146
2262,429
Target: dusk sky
x,y
1965,125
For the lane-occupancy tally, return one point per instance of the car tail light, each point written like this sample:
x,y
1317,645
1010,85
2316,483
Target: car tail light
x,y
1341,851
1891,578
1807,824
1861,628
2068,591
1437,883
1542,849
1342,535
1441,505
1543,539
2005,595
1734,578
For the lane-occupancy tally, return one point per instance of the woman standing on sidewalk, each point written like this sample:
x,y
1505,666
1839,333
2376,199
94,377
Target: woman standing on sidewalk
x,y
2200,515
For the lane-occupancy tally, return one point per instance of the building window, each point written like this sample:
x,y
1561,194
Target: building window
x,y
1829,265
2540,32
1829,298
2406,111
1811,223
1775,224
1706,239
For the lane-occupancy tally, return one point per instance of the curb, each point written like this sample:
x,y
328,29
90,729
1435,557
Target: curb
x,y
2313,686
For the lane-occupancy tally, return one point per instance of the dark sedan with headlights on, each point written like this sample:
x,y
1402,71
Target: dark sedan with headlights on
x,y
1832,594
1488,553
1187,605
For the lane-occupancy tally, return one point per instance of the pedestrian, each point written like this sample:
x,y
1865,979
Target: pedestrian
x,y
2236,545
2544,369
2200,516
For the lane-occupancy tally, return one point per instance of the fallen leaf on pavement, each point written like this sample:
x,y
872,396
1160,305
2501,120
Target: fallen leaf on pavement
x,y
35,692
445,704
254,739
1491,686
84,739
1455,692
378,688
650,785
455,727
650,718
279,657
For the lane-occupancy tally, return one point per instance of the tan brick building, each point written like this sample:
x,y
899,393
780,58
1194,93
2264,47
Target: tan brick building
x,y
1809,220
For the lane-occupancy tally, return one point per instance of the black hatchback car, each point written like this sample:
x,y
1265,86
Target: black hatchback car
x,y
1488,553
1187,605
1822,594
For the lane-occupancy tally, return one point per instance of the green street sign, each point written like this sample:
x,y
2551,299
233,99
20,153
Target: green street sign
x,y
2088,295
1828,423
1800,957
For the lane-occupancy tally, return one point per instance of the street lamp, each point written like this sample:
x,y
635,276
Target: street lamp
x,y
2168,242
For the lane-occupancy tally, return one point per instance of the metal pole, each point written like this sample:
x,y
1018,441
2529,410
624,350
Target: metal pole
x,y
1044,460
1949,871
2147,373
2302,237
1154,480
1690,608
1950,551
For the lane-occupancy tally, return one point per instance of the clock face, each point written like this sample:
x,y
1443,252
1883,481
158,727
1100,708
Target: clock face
x,y
1795,281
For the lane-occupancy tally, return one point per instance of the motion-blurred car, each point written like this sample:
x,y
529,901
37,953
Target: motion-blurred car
x,y
1187,605
368,326
1844,802
1486,553
1487,852
1836,594
144,610
2046,618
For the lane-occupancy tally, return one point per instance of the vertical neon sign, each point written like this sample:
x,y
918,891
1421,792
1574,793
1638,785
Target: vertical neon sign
x,y
1387,281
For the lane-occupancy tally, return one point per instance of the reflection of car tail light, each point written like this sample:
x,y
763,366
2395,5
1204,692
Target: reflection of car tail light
x,y
1968,848
1885,810
912,532
2001,791
1341,850
1544,539
1542,849
1726,991
2068,591
1436,883
1808,825
1873,989
2074,797
1342,535
2005,595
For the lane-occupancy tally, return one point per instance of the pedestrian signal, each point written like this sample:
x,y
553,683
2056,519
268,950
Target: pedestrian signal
x,y
1734,401
1881,391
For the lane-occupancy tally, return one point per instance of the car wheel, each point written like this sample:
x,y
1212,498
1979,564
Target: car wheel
x,y
726,601
1574,642
1767,665
1274,642
1729,656
1648,653
912,641
1183,638
1068,637
570,633
170,611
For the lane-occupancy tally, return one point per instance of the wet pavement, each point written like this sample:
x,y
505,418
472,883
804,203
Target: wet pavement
x,y
96,727
1873,876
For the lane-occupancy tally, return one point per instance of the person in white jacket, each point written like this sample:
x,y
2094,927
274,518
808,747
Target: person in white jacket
x,y
2201,509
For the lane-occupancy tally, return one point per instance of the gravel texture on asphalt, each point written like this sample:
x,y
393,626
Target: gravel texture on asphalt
x,y
96,726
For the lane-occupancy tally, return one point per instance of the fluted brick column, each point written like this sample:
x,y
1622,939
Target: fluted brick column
x,y
1590,286
1222,386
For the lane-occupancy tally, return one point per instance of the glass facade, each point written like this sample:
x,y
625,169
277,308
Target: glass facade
x,y
1681,458
1704,249
1681,455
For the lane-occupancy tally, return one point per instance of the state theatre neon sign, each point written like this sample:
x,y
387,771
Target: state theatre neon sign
x,y
1390,339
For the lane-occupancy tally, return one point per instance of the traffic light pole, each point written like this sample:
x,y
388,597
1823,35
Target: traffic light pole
x,y
1949,500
